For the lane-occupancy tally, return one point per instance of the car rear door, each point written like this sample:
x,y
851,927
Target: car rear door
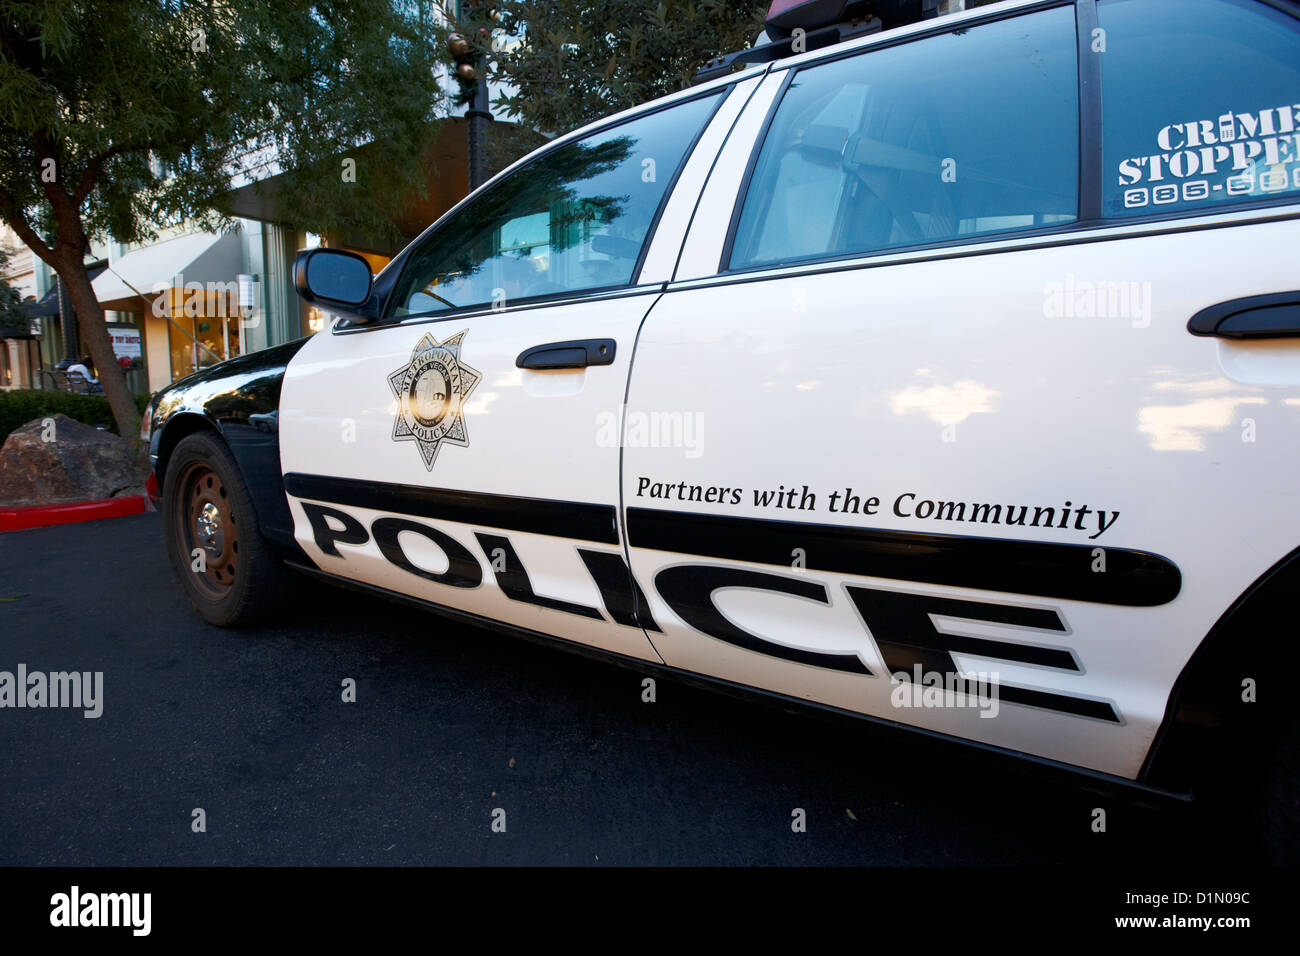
x,y
464,450
928,407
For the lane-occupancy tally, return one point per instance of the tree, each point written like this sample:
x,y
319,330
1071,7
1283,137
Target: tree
x,y
579,60
121,117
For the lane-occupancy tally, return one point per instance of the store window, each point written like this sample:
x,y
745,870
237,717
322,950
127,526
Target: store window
x,y
202,329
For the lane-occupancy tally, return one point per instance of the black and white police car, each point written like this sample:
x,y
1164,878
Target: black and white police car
x,y
939,367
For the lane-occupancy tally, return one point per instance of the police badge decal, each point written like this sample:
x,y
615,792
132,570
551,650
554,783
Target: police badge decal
x,y
431,390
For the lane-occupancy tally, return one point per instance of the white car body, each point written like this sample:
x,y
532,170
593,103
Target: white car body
x,y
958,373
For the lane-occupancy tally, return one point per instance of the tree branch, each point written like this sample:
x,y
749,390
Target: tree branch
x,y
91,173
46,149
17,221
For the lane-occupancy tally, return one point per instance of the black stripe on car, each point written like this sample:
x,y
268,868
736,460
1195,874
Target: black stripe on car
x,y
1045,569
561,519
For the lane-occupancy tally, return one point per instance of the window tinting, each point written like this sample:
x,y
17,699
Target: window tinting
x,y
969,132
575,218
1200,104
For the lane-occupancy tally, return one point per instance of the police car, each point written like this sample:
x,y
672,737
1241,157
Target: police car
x,y
939,367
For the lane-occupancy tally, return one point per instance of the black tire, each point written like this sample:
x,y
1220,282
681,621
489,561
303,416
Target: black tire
x,y
217,553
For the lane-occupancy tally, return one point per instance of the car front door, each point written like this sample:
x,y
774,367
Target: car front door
x,y
464,449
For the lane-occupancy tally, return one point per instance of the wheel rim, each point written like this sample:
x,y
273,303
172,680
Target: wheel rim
x,y
206,523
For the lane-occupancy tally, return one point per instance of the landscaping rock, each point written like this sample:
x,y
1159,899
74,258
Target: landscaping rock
x,y
57,460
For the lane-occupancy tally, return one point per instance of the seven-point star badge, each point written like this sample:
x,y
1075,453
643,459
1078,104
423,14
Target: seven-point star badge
x,y
431,390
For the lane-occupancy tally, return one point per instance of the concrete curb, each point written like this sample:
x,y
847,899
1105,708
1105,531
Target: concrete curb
x,y
39,516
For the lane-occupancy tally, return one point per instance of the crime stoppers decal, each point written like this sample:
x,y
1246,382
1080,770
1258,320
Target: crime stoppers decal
x,y
1248,154
431,390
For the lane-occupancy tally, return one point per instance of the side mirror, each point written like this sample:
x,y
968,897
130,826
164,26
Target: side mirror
x,y
332,278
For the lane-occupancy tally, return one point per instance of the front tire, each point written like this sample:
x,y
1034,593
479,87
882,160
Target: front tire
x,y
217,553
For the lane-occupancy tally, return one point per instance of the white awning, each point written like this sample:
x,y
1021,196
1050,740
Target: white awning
x,y
199,257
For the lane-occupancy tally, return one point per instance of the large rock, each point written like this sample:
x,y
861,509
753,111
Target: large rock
x,y
57,460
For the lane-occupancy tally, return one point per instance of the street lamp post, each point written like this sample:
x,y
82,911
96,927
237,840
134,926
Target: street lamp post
x,y
478,116
68,320
471,73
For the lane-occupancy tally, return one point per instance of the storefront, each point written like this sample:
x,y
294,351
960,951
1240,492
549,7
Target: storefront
x,y
190,299
199,298
179,305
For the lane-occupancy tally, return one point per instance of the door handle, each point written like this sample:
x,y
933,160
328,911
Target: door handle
x,y
1253,317
578,354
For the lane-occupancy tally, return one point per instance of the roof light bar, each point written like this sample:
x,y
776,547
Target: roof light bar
x,y
794,26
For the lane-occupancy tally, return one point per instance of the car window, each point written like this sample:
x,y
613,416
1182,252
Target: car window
x,y
575,218
969,132
1200,103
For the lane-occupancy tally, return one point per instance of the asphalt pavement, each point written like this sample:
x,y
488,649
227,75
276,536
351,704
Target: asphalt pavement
x,y
452,723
